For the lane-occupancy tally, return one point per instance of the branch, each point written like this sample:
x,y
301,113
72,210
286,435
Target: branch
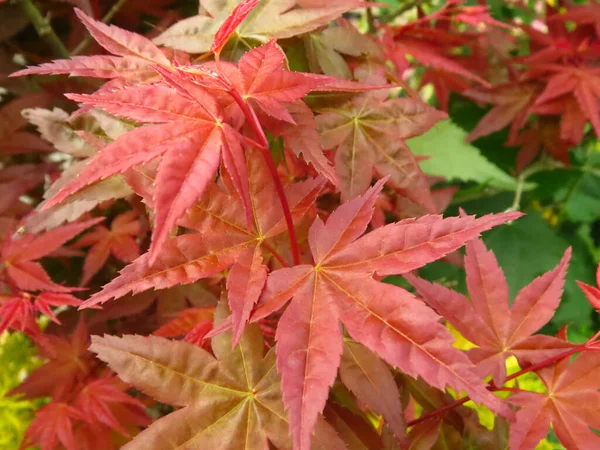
x,y
589,345
43,28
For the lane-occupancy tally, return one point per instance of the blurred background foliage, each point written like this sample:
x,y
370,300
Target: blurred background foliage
x,y
17,359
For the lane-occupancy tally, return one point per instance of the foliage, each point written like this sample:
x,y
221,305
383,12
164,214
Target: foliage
x,y
248,233
17,359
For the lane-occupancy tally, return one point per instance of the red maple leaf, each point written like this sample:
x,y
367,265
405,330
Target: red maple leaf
x,y
135,57
189,131
542,135
190,257
18,256
388,320
53,426
69,363
487,321
579,83
100,401
119,241
592,293
570,405
513,103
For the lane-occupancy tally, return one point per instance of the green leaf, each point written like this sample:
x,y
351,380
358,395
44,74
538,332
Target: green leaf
x,y
452,157
583,204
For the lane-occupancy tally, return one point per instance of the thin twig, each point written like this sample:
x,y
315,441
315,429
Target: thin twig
x,y
107,18
370,21
589,345
43,28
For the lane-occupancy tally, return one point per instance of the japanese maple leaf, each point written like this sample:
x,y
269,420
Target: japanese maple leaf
x,y
119,241
371,380
189,133
230,401
134,56
190,257
69,363
592,293
77,136
19,310
513,103
12,139
443,83
18,256
53,426
270,19
99,397
429,47
193,323
543,135
368,134
580,83
487,321
571,405
388,320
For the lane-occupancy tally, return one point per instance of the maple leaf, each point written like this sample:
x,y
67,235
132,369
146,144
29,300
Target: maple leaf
x,y
135,56
187,321
513,104
234,394
189,131
69,363
570,405
386,319
543,135
487,321
430,46
190,257
18,256
325,49
580,83
97,399
371,380
118,241
71,135
270,19
592,293
443,83
237,16
368,133
53,425
19,312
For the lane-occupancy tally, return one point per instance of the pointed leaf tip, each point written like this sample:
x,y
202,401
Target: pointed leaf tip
x,y
231,23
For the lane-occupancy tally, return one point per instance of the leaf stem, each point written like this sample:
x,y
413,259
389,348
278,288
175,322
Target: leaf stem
x,y
254,123
43,28
587,346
